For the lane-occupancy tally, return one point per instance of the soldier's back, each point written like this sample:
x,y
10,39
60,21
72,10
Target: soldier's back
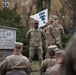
x,y
49,62
55,70
14,61
46,64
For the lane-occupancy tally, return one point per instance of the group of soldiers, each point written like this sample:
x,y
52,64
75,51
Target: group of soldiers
x,y
52,33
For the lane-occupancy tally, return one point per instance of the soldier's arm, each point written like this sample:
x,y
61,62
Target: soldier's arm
x,y
43,34
53,70
3,67
28,34
62,30
43,68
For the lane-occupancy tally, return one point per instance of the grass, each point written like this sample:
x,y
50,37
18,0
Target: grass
x,y
35,68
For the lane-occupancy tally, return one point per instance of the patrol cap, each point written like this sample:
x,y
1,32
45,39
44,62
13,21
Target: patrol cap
x,y
52,47
60,53
56,49
18,44
54,16
36,22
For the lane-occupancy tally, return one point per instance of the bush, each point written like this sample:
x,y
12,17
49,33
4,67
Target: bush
x,y
9,17
65,39
9,14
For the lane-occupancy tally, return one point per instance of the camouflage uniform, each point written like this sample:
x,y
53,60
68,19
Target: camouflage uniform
x,y
15,62
46,64
35,37
51,51
49,62
57,31
49,39
55,70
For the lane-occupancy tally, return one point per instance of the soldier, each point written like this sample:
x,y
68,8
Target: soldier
x,y
56,31
35,36
51,51
55,70
49,39
16,61
49,62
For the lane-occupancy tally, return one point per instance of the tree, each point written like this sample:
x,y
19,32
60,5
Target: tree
x,y
47,4
71,4
43,4
39,5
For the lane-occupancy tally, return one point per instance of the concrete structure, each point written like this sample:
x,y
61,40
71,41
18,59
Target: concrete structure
x,y
7,39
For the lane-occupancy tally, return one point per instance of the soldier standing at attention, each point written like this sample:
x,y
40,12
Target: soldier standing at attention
x,y
49,62
16,61
57,31
35,37
49,39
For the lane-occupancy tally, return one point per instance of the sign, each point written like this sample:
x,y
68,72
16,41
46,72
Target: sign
x,y
7,37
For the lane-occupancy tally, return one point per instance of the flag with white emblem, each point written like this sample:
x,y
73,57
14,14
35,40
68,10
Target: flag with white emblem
x,y
42,17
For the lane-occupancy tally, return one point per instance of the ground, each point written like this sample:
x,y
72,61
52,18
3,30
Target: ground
x,y
35,68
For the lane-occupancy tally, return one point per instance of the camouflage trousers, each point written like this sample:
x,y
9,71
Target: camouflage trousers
x,y
38,51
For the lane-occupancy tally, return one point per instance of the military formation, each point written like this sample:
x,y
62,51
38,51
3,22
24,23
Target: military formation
x,y
54,55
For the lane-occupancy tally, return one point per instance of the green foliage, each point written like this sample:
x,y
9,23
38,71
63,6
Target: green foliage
x,y
39,5
73,3
21,32
65,39
9,17
9,14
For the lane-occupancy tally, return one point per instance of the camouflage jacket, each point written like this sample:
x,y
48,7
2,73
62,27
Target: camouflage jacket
x,y
57,31
49,38
46,64
55,70
35,36
15,61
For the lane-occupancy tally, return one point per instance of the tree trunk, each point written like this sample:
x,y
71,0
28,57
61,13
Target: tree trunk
x,y
74,19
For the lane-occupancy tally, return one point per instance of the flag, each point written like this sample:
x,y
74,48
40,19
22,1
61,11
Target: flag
x,y
42,17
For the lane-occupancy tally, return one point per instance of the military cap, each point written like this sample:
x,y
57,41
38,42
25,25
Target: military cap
x,y
60,53
36,22
52,48
18,44
54,16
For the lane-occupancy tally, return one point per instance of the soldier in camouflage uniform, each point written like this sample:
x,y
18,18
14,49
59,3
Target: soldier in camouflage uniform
x,y
57,31
16,61
35,37
55,70
49,62
49,39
